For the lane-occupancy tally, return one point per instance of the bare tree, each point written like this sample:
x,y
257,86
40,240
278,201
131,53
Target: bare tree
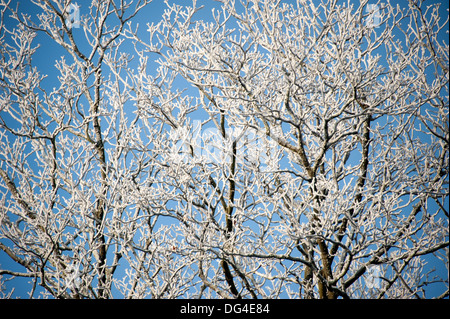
x,y
267,150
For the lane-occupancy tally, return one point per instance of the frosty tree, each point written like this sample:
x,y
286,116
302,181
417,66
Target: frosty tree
x,y
264,149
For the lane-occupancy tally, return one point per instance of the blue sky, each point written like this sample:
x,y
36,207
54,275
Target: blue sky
x,y
49,52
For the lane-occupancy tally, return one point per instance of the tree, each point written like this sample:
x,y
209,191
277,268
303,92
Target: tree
x,y
268,150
